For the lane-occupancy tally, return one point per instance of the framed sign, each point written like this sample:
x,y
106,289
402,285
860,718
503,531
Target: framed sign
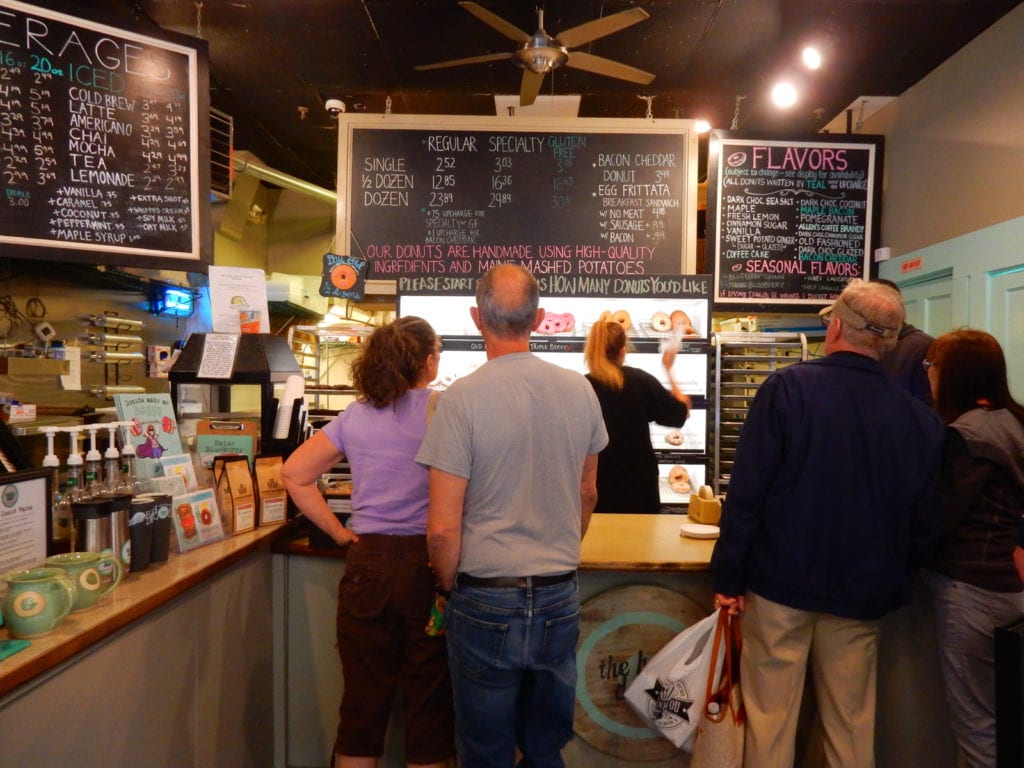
x,y
26,526
105,141
791,220
450,196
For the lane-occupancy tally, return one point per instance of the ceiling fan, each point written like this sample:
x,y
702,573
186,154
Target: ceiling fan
x,y
541,53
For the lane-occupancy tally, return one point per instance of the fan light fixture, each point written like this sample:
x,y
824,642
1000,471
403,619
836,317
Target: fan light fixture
x,y
541,60
541,53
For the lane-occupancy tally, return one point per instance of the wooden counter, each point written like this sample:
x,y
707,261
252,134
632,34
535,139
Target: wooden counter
x,y
642,543
613,543
135,597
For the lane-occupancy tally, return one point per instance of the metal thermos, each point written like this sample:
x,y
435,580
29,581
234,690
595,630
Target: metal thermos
x,y
93,532
120,541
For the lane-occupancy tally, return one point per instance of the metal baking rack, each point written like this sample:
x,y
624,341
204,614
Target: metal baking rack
x,y
742,362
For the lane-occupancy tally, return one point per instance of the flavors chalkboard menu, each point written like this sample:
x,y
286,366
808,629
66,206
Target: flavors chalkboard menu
x,y
791,221
597,199
100,138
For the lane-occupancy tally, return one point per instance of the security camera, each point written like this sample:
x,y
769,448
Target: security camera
x,y
335,107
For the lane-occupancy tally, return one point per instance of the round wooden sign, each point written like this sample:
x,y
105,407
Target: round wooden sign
x,y
621,629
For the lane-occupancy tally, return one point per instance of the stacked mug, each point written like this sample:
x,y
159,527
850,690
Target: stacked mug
x,y
151,528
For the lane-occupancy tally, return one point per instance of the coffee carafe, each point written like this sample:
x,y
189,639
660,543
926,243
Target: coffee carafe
x,y
120,541
93,531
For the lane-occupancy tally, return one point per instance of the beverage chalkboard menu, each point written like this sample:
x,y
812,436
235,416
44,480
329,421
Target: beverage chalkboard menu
x,y
790,222
598,198
101,132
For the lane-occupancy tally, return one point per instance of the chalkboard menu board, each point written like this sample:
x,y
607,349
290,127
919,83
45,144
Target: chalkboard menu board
x,y
103,142
601,198
791,221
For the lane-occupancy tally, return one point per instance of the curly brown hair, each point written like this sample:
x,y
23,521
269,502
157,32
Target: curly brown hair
x,y
392,360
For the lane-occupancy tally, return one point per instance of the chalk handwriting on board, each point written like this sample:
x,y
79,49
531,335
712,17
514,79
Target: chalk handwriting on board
x,y
456,202
792,220
98,139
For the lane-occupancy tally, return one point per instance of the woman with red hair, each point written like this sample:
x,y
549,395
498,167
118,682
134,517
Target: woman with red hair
x,y
977,578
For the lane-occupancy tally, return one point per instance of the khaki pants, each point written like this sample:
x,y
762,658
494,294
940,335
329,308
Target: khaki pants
x,y
778,643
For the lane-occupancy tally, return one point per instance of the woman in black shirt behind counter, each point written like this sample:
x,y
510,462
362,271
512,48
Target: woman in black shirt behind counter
x,y
627,471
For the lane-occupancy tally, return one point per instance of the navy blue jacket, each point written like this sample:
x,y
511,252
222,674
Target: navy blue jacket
x,y
833,495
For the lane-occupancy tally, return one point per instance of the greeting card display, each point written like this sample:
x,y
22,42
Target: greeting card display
x,y
152,430
196,519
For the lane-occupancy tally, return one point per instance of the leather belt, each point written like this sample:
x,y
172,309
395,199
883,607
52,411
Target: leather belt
x,y
512,582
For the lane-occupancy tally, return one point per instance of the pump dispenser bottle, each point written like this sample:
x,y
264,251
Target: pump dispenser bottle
x,y
129,480
61,525
111,462
73,488
93,465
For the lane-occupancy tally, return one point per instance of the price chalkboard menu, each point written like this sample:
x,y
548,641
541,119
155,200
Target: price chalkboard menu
x,y
599,198
101,132
790,222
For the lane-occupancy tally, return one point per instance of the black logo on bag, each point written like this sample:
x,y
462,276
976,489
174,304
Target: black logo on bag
x,y
670,703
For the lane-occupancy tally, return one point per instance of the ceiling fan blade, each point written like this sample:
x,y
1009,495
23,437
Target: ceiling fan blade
x,y
607,67
511,31
530,87
470,60
592,30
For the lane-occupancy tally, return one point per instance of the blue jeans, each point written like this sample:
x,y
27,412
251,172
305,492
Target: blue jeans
x,y
965,618
512,655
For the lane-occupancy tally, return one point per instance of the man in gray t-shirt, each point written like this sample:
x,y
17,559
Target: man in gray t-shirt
x,y
512,452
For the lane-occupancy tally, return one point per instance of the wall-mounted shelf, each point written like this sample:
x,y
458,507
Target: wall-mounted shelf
x,y
34,366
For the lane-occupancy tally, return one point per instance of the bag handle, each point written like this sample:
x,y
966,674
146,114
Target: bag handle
x,y
728,631
720,627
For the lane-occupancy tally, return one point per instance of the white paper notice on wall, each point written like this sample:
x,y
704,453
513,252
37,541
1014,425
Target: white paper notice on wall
x,y
238,291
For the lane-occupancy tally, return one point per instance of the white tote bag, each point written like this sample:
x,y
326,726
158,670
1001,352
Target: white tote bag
x,y
668,693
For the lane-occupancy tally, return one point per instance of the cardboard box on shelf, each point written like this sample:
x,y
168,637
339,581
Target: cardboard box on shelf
x,y
13,412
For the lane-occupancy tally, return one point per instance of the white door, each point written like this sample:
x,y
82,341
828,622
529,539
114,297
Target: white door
x,y
1006,323
930,304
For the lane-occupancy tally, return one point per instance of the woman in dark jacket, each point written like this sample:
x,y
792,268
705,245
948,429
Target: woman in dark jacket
x,y
627,470
977,578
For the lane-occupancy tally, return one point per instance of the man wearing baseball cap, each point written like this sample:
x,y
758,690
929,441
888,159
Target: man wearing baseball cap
x,y
832,501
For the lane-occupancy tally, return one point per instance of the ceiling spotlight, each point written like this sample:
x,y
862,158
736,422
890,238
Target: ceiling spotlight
x,y
811,57
702,126
784,95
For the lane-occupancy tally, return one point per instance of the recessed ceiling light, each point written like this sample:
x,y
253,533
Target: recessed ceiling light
x,y
702,126
784,95
811,57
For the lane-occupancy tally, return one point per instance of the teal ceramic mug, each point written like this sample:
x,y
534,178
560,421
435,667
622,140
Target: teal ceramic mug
x,y
37,601
85,569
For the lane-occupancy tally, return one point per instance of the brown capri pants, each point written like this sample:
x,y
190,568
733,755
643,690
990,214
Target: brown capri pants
x,y
384,601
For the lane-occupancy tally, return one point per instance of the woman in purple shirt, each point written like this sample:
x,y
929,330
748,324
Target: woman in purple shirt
x,y
386,593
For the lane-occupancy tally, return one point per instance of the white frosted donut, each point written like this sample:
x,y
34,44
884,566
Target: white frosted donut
x,y
661,322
